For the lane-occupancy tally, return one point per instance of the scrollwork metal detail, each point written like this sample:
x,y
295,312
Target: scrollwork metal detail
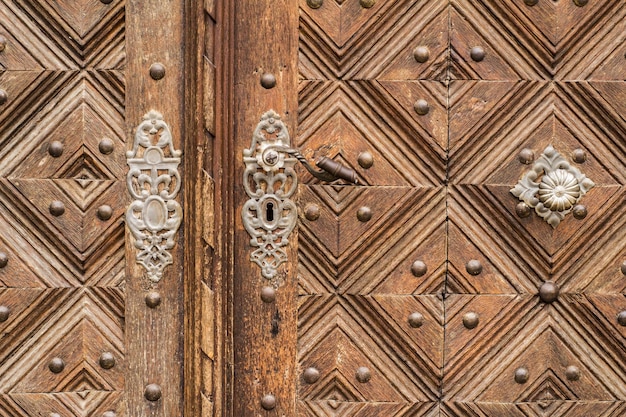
x,y
270,181
552,187
153,181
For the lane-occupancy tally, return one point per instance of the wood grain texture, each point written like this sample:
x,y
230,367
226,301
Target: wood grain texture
x,y
342,40
537,89
552,74
156,33
264,333
64,284
550,40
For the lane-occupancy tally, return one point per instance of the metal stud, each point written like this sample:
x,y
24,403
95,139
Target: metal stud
x,y
363,374
531,2
364,214
55,149
572,373
621,318
421,54
581,3
622,268
268,294
157,71
5,312
153,299
314,4
311,375
4,260
470,320
474,267
548,292
56,365
106,1
522,210
521,375
109,414
104,212
366,160
3,97
105,146
268,80
57,208
107,360
55,415
268,402
419,268
421,107
152,392
312,212
366,4
3,43
415,320
579,211
526,156
579,156
477,53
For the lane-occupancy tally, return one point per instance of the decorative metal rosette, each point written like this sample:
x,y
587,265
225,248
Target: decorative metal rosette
x,y
552,187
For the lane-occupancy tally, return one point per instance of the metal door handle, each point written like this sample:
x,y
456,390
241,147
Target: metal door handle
x,y
331,170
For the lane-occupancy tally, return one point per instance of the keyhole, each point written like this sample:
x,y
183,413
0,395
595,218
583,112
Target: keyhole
x,y
269,212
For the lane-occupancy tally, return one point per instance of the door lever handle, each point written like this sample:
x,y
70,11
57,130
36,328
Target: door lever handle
x,y
330,170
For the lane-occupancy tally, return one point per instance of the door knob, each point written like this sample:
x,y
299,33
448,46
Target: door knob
x,y
270,181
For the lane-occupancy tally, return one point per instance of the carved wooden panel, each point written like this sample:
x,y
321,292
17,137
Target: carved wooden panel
x,y
372,258
62,143
78,337
548,340
441,107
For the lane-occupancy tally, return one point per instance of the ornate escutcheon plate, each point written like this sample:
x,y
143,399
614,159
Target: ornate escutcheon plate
x,y
270,181
153,181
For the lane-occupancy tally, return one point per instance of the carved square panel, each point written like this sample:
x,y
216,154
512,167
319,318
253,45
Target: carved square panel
x,y
531,354
399,249
349,42
533,40
375,349
399,127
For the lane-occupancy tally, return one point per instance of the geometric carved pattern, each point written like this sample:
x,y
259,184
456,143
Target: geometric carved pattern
x,y
382,346
343,119
63,71
439,192
336,249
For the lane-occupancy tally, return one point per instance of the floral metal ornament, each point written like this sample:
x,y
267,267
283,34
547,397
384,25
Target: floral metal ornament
x,y
552,187
153,181
270,181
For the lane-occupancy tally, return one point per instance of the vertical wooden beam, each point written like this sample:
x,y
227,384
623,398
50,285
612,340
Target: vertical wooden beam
x,y
155,335
265,334
196,197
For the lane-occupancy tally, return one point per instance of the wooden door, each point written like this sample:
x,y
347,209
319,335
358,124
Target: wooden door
x,y
478,268
85,329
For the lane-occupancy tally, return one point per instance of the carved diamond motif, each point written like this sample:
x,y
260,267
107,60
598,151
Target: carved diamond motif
x,y
552,187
